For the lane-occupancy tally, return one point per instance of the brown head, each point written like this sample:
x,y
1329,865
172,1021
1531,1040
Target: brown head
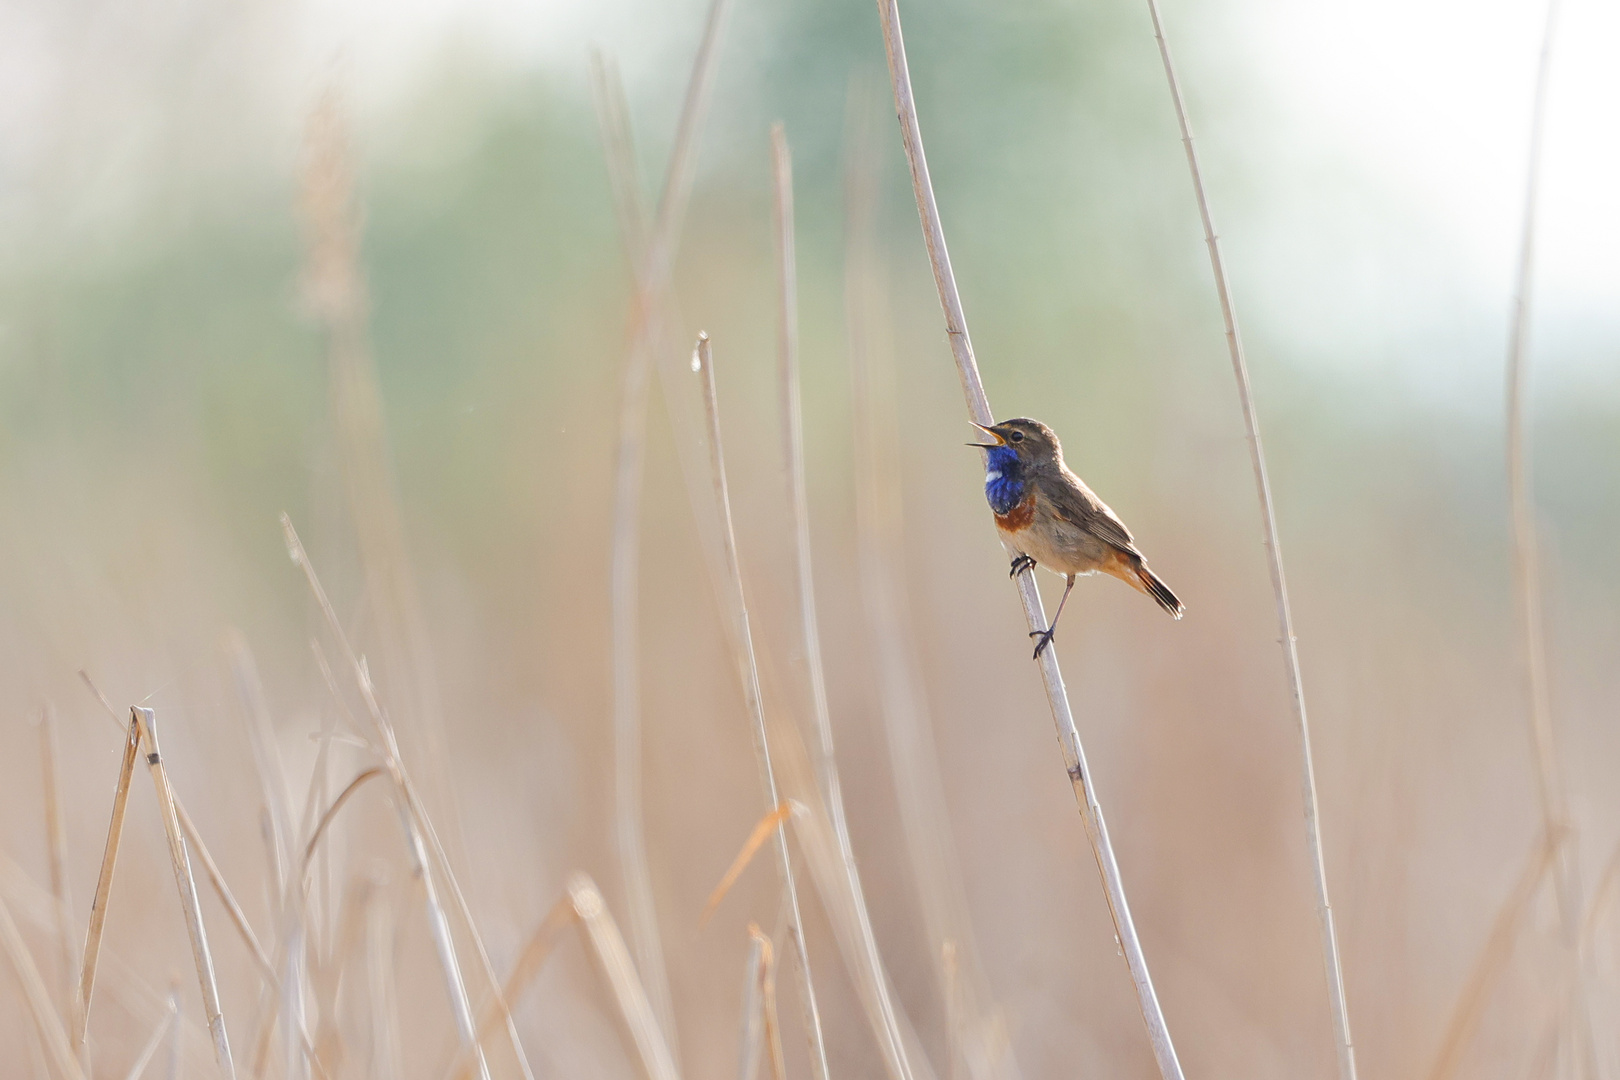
x,y
1032,442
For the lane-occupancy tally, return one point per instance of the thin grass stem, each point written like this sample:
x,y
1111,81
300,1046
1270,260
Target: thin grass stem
x,y
1527,575
826,759
703,363
98,905
187,884
149,1051
56,850
651,258
979,411
1279,583
46,1020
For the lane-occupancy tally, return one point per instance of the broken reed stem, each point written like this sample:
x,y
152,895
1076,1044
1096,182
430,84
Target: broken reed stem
x,y
46,1020
651,264
1279,583
893,1047
145,719
1527,577
56,850
978,404
761,1032
703,363
607,945
98,905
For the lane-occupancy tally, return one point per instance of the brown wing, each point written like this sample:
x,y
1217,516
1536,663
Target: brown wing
x,y
1074,502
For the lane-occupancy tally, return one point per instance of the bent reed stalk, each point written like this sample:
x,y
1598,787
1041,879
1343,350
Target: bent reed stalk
x,y
1279,582
978,404
893,1046
1554,798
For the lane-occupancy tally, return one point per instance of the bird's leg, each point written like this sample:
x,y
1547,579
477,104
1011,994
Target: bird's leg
x,y
1020,564
1046,635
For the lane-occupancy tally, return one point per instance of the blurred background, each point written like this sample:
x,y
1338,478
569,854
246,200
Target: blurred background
x,y
167,391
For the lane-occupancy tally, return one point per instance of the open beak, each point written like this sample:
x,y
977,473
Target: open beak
x,y
990,432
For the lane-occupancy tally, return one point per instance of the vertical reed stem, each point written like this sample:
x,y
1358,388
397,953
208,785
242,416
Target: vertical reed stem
x,y
56,848
187,884
979,411
1279,584
652,266
703,362
799,500
98,905
1527,576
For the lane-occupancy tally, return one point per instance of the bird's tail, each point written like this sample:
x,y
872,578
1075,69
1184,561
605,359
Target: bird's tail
x,y
1160,591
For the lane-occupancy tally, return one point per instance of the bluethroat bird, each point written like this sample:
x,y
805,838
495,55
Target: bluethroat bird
x,y
1049,516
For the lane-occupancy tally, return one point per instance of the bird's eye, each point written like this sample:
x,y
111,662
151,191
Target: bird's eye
x,y
1016,436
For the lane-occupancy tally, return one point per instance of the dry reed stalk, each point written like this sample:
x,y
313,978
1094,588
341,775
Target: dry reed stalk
x,y
46,1021
328,1045
830,788
977,1032
149,1051
331,811
614,960
56,850
531,958
187,884
266,755
223,891
1279,584
651,258
761,1032
751,1037
98,906
763,831
1492,962
416,823
748,670
34,908
979,411
1555,813
336,289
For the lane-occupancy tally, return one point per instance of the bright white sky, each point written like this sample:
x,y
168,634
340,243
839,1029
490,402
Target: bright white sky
x,y
1395,143
1422,107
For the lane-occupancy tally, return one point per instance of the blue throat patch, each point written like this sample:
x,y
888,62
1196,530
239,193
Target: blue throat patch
x,y
1003,479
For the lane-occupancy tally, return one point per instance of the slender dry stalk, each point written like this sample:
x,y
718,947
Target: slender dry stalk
x,y
56,850
174,1044
760,1031
149,1051
651,258
979,411
748,665
977,1033
266,755
1527,574
336,289
763,831
187,884
46,1020
1492,962
331,811
223,891
831,789
614,960
416,824
1279,583
98,906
